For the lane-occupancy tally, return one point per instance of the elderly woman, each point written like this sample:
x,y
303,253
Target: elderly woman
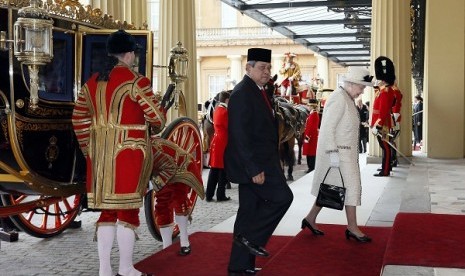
x,y
338,149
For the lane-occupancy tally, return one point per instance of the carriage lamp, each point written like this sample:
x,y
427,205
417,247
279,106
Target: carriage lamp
x,y
33,43
177,68
178,64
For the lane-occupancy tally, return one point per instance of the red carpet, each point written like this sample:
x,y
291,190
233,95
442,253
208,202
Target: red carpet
x,y
331,254
432,240
304,254
209,256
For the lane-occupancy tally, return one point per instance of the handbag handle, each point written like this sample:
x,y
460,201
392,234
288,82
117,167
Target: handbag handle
x,y
342,179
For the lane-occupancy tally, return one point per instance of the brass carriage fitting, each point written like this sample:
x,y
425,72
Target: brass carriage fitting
x,y
33,43
3,41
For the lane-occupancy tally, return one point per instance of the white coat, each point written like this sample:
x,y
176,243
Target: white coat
x,y
339,132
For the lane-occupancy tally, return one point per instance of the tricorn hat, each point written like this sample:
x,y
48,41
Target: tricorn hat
x,y
289,54
358,75
259,54
384,70
121,42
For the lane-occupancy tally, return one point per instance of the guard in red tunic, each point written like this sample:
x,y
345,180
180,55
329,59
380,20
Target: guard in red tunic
x,y
111,119
217,174
396,117
311,135
381,120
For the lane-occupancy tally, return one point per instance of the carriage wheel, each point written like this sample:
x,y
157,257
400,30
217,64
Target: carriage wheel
x,y
48,221
185,133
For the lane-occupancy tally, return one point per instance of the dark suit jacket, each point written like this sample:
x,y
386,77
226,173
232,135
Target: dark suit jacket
x,y
252,134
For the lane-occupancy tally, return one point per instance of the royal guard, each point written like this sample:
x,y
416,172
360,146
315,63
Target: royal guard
x,y
381,120
311,135
396,117
290,75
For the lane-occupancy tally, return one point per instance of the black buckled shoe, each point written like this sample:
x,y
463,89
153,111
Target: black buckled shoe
x,y
244,272
223,199
381,174
185,250
253,248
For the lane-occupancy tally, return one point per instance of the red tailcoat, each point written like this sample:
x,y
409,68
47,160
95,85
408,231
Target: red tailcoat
x,y
220,138
381,115
110,122
397,101
311,134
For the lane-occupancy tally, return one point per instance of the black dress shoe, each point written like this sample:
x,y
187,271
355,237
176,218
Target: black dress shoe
x,y
185,250
223,199
381,174
357,238
241,272
307,224
209,199
253,248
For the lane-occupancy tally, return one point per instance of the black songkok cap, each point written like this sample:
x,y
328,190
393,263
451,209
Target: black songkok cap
x,y
121,42
259,54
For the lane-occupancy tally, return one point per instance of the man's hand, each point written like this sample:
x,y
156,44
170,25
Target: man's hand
x,y
334,159
375,130
259,178
396,116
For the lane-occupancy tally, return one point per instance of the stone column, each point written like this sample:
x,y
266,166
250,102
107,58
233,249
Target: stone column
x,y
323,69
235,73
390,36
443,131
131,11
177,24
276,63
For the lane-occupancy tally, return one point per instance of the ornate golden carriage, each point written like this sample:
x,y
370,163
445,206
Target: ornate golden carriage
x,y
42,170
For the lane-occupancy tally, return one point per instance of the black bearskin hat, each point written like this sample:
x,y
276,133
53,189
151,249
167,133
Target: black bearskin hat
x,y
121,42
384,70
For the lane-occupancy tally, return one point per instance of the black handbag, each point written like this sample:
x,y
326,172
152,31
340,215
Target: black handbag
x,y
331,196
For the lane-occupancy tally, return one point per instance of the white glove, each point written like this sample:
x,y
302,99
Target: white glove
x,y
375,131
334,159
396,116
291,78
287,66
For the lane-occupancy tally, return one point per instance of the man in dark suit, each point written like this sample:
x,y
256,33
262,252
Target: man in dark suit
x,y
252,160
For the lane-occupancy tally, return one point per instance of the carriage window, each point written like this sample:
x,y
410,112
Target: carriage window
x,y
216,83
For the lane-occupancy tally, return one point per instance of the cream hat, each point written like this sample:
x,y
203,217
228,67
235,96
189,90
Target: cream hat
x,y
358,75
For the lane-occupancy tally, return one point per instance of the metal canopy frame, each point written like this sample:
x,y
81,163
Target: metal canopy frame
x,y
337,29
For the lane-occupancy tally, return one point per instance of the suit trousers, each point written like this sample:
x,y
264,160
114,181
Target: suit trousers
x,y
261,208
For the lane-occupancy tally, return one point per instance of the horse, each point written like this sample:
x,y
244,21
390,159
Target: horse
x,y
291,126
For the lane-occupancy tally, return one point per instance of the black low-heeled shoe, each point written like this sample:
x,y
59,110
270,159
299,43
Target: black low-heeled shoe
x,y
315,232
357,238
185,250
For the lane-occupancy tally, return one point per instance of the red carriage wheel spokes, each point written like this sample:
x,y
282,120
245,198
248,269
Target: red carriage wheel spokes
x,y
48,221
185,133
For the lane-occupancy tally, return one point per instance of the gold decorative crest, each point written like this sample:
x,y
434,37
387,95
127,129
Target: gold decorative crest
x,y
74,10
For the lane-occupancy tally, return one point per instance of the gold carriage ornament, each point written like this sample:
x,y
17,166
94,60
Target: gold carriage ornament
x,y
177,70
33,43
